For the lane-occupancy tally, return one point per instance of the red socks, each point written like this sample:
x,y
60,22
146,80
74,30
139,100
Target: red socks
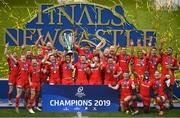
x,y
31,103
17,102
26,100
9,96
37,101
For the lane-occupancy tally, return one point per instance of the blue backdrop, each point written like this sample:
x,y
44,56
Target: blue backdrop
x,y
97,20
76,98
4,89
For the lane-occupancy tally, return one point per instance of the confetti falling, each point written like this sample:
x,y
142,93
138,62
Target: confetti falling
x,y
168,31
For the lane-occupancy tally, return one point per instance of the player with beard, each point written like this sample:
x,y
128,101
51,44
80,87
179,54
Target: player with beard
x,y
22,82
105,55
111,72
82,70
67,69
53,68
46,49
143,87
28,53
39,57
112,53
86,49
95,72
13,72
35,84
153,60
169,62
57,55
126,85
29,57
124,60
160,83
140,63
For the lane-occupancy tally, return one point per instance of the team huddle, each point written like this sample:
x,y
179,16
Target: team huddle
x,y
134,75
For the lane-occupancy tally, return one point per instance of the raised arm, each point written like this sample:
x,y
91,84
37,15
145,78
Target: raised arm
x,y
29,79
14,59
102,43
114,87
176,66
6,50
45,60
23,51
132,48
75,44
149,50
161,47
39,39
140,47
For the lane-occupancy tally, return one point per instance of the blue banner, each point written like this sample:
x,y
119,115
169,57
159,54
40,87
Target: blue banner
x,y
74,98
97,21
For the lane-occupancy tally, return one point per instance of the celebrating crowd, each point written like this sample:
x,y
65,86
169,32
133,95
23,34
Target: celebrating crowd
x,y
134,75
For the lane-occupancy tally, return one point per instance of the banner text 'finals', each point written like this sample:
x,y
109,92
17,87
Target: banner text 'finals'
x,y
100,22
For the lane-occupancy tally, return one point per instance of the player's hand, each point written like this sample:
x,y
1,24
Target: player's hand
x,y
168,76
168,66
109,85
92,65
161,41
23,46
74,33
41,37
7,45
132,43
149,44
32,46
139,42
168,82
43,70
30,83
72,66
133,86
115,76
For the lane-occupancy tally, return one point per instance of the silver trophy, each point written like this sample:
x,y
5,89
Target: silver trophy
x,y
67,41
